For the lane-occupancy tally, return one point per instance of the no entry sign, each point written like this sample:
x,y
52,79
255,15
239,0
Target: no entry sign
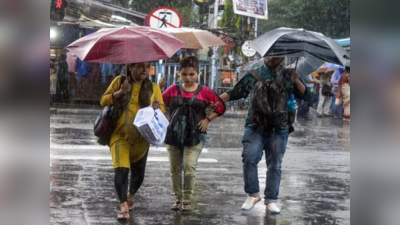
x,y
164,17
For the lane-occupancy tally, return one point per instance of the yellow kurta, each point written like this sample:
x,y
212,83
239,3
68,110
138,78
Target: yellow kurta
x,y
126,144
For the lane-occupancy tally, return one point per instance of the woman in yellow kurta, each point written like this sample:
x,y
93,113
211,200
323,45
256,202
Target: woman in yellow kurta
x,y
128,148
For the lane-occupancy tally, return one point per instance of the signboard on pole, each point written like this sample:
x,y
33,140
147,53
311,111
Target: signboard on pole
x,y
247,51
251,8
164,17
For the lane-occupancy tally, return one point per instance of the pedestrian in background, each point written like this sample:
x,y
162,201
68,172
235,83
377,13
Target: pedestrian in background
x,y
258,138
336,109
128,148
62,79
187,103
325,94
344,93
304,108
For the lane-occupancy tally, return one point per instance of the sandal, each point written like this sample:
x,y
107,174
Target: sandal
x,y
177,205
130,205
123,215
186,206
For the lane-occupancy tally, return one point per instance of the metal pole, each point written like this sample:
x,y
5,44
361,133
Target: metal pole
x,y
213,68
215,19
216,76
169,76
255,28
174,74
158,77
205,75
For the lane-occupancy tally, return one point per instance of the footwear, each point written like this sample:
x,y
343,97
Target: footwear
x,y
273,208
337,117
130,204
250,203
123,216
186,206
177,205
346,120
327,115
319,116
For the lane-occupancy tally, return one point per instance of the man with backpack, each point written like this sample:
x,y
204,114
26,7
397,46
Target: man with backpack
x,y
267,126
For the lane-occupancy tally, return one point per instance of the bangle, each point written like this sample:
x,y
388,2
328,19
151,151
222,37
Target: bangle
x,y
209,120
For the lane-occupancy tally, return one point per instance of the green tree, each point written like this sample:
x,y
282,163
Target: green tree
x,y
231,24
330,17
230,20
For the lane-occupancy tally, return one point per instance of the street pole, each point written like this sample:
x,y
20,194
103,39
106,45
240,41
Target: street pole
x,y
215,17
214,70
255,28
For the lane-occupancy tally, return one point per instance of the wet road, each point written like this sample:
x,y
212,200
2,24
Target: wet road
x,y
315,182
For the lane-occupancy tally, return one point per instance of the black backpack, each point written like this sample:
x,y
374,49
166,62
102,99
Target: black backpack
x,y
326,90
269,109
183,130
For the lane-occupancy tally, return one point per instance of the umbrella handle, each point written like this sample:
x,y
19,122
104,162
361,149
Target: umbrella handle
x,y
295,68
127,74
297,60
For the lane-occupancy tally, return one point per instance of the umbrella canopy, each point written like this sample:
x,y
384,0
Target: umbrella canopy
x,y
195,39
306,66
327,67
126,45
252,65
333,66
288,42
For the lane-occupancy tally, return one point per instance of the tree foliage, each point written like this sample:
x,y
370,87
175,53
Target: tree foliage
x,y
230,20
330,17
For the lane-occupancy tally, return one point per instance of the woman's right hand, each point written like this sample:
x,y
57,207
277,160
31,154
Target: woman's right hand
x,y
125,87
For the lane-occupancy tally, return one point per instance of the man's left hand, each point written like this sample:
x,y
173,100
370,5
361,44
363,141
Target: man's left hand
x,y
295,77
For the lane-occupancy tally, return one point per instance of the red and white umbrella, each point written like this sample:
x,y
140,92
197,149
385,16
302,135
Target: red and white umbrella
x,y
126,45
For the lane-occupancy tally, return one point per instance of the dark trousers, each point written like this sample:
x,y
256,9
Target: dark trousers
x,y
137,177
62,91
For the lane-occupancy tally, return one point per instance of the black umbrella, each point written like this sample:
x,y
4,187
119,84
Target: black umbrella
x,y
306,66
249,66
252,65
288,42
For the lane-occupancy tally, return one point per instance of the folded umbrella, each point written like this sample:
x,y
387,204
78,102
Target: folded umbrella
x,y
126,45
288,42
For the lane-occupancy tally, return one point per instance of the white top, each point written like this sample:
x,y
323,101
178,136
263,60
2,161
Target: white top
x,y
310,77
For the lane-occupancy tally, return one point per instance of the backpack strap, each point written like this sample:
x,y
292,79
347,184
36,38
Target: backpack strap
x,y
199,88
180,99
256,75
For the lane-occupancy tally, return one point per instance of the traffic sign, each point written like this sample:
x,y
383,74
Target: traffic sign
x,y
247,51
164,17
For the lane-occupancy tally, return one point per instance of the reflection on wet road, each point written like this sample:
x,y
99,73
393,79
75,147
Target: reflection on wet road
x,y
315,183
